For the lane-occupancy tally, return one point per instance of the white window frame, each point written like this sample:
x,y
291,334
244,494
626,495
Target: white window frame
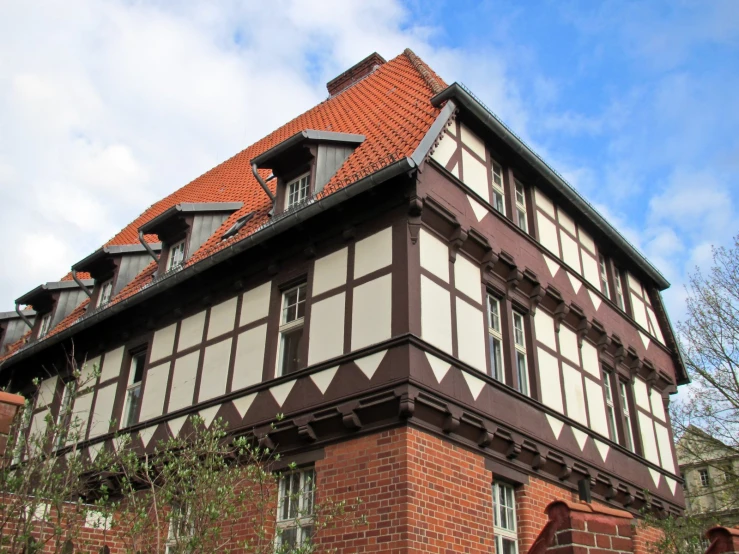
x,y
45,325
299,512
130,387
603,271
521,213
106,292
498,188
628,435
176,531
289,326
68,390
618,280
495,335
704,477
173,259
610,407
502,494
522,360
23,429
297,191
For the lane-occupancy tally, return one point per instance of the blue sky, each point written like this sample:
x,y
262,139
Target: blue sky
x,y
106,106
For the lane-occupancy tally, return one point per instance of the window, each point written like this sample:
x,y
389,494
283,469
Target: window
x,y
64,417
180,528
618,280
297,190
106,290
496,339
519,339
291,329
521,208
176,255
628,437
703,475
610,410
133,391
603,275
21,444
295,509
504,519
44,326
498,194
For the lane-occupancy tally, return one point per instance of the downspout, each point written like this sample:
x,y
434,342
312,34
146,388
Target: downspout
x,y
22,316
147,247
80,283
264,185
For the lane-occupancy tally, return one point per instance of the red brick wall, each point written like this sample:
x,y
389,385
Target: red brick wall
x,y
531,500
644,538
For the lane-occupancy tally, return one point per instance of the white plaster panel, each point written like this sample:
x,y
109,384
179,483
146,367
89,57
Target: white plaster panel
x,y
183,381
566,221
255,304
597,408
103,410
215,370
80,417
46,391
548,234
568,345
249,361
655,325
570,251
658,407
467,278
444,151
640,315
162,344
329,272
434,255
113,361
222,318
586,240
152,404
590,269
455,170
647,436
473,142
38,427
327,329
634,283
372,312
641,395
191,331
664,446
373,253
574,394
436,315
544,326
551,391
475,175
87,371
590,361
543,202
471,335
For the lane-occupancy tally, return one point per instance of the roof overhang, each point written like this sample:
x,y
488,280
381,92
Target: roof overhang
x,y
165,219
268,159
100,261
5,316
40,297
467,101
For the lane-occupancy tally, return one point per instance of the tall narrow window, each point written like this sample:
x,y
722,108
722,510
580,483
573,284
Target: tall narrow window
x,y
21,437
603,275
521,220
618,280
704,478
176,255
496,339
628,437
133,391
295,510
297,190
291,329
44,326
180,529
106,290
519,339
504,519
498,194
64,417
610,410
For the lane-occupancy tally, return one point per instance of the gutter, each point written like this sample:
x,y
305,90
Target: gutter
x,y
388,172
80,283
146,247
261,182
470,103
23,317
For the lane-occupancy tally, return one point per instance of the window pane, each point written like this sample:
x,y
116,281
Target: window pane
x,y
508,546
289,537
291,346
138,363
498,202
522,220
133,398
523,375
496,359
493,313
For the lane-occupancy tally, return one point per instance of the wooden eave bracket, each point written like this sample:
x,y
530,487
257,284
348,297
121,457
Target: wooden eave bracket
x,y
415,213
559,314
537,295
459,236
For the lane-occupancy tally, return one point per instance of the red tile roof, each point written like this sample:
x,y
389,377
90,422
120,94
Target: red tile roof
x,y
391,107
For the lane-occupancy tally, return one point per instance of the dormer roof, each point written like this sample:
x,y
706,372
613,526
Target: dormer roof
x,y
271,158
170,219
100,261
41,296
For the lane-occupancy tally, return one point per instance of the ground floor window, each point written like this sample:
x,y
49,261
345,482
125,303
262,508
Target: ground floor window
x,y
504,519
295,509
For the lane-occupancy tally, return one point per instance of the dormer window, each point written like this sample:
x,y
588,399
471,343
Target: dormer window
x,y
44,325
176,255
297,190
106,291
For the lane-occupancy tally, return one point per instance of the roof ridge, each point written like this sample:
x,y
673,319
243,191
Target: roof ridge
x,y
432,80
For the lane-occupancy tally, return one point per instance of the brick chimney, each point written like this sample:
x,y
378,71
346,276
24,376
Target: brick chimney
x,y
723,540
355,73
9,406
